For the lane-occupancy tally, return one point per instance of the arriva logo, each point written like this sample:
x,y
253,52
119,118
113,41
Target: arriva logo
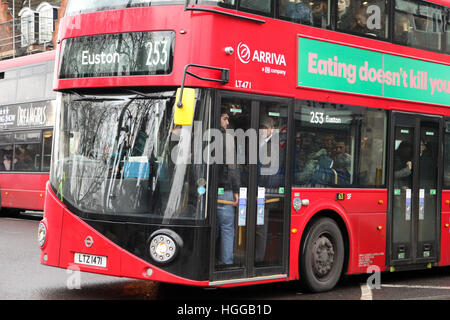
x,y
245,55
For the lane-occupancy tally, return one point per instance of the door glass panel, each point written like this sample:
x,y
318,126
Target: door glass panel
x,y
271,184
232,155
429,142
446,168
402,203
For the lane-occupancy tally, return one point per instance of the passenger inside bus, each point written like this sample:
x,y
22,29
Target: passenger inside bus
x,y
22,159
427,176
6,164
403,165
360,22
320,13
228,197
403,29
304,166
368,19
344,15
342,163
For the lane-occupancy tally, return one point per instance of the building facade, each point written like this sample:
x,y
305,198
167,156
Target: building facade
x,y
29,26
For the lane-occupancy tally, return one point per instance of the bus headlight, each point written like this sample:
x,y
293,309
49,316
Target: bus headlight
x,y
42,234
164,245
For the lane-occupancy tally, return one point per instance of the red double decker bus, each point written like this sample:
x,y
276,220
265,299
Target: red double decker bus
x,y
228,143
27,103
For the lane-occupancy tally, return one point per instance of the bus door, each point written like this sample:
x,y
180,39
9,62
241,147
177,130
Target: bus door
x,y
415,189
251,218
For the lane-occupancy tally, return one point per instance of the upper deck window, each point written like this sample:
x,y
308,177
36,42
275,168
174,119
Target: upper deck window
x,y
367,18
447,155
418,24
315,13
259,6
82,6
447,33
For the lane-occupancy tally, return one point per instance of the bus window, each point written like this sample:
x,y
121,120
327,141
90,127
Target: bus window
x,y
371,165
8,88
367,18
261,6
315,13
26,157
6,152
447,34
320,10
327,152
5,138
47,149
424,21
27,151
296,11
447,155
403,32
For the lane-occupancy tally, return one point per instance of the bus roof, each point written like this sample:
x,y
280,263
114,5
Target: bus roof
x,y
441,2
27,60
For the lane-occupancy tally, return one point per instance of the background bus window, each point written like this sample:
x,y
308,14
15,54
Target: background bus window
x,y
368,18
418,24
47,149
447,155
339,146
27,151
6,150
315,13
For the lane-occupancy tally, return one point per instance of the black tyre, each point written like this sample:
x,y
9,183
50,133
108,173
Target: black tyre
x,y
322,256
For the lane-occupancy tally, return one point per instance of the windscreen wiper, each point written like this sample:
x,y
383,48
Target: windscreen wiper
x,y
141,95
97,99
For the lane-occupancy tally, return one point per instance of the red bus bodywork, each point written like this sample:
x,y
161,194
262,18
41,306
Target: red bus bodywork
x,y
201,38
18,189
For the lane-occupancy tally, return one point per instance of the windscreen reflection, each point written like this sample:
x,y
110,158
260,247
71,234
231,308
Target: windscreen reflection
x,y
114,155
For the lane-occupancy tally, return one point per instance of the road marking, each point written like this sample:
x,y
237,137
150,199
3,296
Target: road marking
x,y
414,286
366,292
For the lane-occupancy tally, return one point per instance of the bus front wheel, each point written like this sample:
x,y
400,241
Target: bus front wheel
x,y
322,256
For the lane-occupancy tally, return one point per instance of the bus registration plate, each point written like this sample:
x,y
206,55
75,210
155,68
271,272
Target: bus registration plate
x,y
90,260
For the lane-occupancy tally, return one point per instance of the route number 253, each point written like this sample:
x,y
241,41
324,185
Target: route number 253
x,y
316,117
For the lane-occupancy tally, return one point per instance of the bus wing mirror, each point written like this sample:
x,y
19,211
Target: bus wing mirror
x,y
184,112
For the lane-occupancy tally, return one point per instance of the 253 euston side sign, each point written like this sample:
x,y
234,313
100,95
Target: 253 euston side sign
x,y
120,54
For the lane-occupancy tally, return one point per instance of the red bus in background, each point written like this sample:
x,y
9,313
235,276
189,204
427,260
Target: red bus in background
x,y
27,103
350,97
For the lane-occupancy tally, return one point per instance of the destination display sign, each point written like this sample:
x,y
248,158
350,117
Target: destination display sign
x,y
27,115
117,55
330,66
